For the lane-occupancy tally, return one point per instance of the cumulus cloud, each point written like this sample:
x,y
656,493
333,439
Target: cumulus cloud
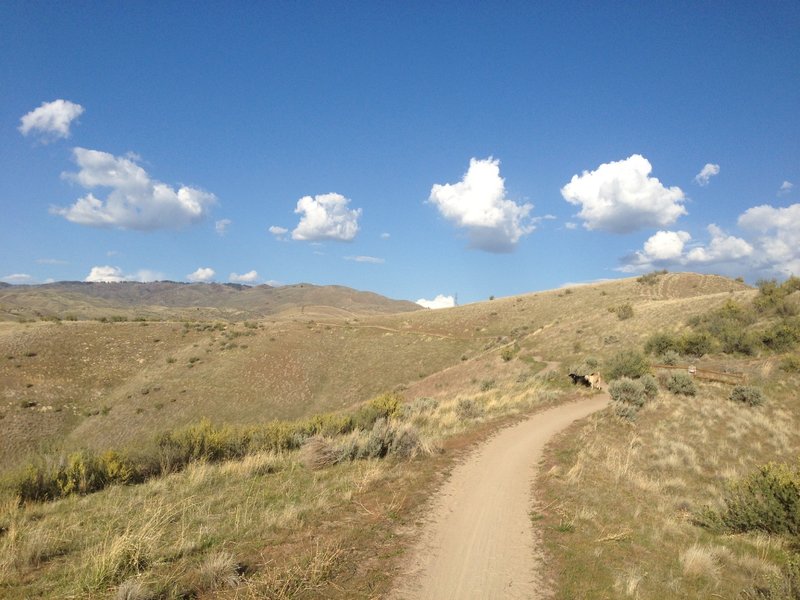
x,y
17,278
248,277
671,248
385,236
221,226
478,204
326,217
51,120
109,274
706,173
778,236
135,201
721,248
570,225
105,274
621,197
366,259
441,301
785,188
202,274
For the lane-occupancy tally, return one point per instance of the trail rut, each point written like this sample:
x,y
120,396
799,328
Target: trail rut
x,y
479,541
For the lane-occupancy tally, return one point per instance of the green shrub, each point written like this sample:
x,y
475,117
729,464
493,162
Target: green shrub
x,y
696,344
628,391
791,363
628,363
507,353
670,357
782,336
651,278
680,383
767,500
661,343
650,386
747,394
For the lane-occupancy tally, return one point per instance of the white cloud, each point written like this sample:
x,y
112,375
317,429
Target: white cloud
x,y
666,245
706,173
785,188
17,278
135,201
366,259
669,249
778,241
441,301
326,217
51,261
201,275
109,274
51,120
248,277
570,225
478,204
145,275
385,236
106,274
621,197
278,232
721,248
221,226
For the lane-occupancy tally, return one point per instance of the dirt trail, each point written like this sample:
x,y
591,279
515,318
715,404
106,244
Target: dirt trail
x,y
479,541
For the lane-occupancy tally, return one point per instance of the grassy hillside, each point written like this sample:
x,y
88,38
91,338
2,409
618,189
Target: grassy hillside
x,y
171,300
620,494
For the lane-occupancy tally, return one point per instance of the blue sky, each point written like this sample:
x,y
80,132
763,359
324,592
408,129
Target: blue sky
x,y
412,149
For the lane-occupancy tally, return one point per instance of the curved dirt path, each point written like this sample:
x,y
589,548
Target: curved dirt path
x,y
479,540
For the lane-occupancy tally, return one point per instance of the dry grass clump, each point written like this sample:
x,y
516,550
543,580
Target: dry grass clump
x,y
219,570
318,453
700,561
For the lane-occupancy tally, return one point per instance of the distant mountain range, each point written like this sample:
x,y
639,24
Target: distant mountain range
x,y
169,299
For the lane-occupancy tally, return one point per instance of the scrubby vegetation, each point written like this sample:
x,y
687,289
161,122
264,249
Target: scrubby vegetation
x,y
628,363
770,323
747,394
680,383
83,472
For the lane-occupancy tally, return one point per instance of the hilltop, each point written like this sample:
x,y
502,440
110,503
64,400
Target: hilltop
x,y
172,300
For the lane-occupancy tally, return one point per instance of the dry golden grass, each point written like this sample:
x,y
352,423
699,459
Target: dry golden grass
x,y
275,528
631,489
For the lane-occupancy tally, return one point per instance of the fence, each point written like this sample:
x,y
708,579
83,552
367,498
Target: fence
x,y
732,378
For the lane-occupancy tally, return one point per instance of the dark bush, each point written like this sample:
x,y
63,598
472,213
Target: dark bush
x,y
767,500
628,363
661,343
650,386
628,391
680,383
747,394
696,344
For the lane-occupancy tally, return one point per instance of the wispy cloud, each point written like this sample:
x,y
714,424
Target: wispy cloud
x,y
17,278
366,259
706,173
221,226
